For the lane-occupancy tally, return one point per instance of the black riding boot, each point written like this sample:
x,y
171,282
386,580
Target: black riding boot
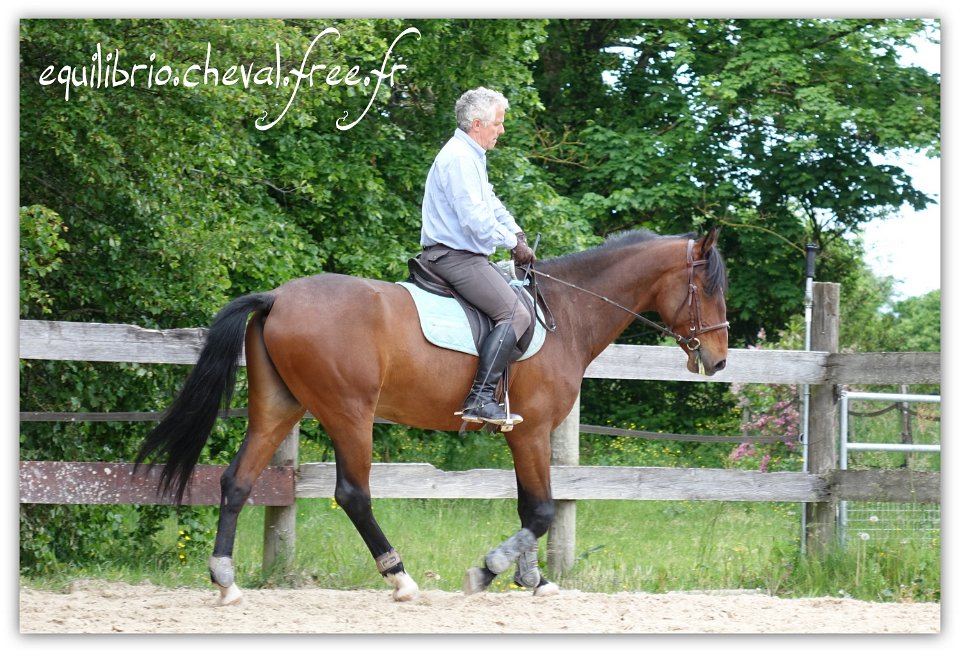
x,y
496,353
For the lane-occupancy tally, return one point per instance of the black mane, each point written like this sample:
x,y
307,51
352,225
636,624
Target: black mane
x,y
715,274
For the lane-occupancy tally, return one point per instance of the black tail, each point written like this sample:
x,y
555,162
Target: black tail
x,y
185,428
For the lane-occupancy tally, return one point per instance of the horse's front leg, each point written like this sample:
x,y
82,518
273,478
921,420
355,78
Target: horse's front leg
x,y
536,510
534,514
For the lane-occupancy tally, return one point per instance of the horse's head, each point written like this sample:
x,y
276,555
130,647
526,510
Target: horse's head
x,y
694,304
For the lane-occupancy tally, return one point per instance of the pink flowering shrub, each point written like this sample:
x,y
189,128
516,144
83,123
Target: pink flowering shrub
x,y
770,410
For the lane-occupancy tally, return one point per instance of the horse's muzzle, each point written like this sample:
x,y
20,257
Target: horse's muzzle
x,y
699,364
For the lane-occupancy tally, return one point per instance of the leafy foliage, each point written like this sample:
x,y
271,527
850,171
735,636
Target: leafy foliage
x,y
918,324
765,126
43,232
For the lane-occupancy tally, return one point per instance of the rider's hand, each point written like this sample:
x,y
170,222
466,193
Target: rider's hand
x,y
522,254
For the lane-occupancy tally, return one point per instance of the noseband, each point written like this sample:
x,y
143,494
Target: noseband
x,y
693,305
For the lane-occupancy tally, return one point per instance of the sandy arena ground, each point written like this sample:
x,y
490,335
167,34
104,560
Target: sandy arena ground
x,y
95,607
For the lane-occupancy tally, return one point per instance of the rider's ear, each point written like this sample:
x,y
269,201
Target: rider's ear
x,y
709,241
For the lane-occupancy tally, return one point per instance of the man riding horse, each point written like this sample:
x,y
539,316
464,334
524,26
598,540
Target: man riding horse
x,y
463,224
301,355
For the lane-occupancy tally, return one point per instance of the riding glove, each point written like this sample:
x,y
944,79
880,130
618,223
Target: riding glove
x,y
522,254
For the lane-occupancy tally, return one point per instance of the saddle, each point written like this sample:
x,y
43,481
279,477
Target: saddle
x,y
439,329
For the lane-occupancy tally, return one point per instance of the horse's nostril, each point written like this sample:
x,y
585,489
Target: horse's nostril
x,y
720,365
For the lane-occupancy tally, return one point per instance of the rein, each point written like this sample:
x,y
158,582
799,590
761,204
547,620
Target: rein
x,y
693,304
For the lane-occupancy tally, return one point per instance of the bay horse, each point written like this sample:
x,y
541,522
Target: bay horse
x,y
348,350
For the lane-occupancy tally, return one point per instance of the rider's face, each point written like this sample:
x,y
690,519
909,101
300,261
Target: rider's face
x,y
486,134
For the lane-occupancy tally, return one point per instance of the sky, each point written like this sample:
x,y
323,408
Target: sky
x,y
907,246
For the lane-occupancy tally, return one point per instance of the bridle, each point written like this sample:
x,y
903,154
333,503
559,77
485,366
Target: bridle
x,y
693,304
697,328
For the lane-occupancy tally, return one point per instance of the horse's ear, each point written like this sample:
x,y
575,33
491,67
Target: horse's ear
x,y
709,241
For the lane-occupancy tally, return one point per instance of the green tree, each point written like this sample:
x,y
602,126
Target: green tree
x,y
917,321
768,126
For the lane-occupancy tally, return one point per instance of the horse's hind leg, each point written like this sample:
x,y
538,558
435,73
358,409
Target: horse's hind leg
x,y
353,447
273,412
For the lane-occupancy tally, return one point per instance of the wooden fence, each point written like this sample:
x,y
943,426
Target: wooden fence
x,y
53,482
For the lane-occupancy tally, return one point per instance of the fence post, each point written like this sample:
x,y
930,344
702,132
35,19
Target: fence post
x,y
280,522
565,451
821,517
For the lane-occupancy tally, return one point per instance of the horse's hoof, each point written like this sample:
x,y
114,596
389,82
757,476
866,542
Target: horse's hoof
x,y
546,589
405,588
476,580
230,595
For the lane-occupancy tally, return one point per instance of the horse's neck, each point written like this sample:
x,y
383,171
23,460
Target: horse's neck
x,y
624,276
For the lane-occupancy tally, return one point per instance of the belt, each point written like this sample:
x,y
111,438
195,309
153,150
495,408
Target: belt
x,y
447,247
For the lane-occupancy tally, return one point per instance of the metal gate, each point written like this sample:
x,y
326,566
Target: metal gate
x,y
873,517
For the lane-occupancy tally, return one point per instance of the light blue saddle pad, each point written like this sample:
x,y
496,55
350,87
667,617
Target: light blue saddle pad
x,y
445,324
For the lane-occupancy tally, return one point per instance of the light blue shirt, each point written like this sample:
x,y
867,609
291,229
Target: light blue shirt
x,y
460,209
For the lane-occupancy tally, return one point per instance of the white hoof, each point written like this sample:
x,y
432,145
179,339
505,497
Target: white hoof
x,y
405,588
229,595
549,589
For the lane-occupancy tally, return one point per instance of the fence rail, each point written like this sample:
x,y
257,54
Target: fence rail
x,y
65,482
70,482
68,341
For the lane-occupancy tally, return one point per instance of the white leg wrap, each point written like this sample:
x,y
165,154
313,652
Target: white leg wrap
x,y
221,573
221,570
405,588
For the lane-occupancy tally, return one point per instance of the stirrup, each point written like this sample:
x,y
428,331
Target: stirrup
x,y
506,423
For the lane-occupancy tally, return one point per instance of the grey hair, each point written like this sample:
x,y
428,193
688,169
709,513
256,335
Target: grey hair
x,y
479,103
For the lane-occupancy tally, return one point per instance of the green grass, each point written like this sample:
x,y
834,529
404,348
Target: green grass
x,y
621,546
